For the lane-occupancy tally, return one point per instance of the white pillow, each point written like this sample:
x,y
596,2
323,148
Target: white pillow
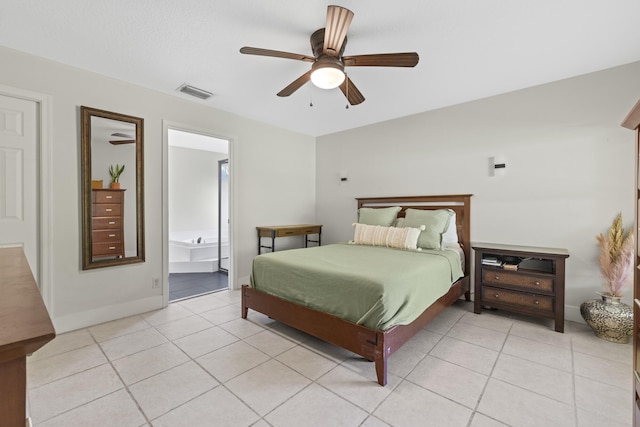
x,y
391,237
451,235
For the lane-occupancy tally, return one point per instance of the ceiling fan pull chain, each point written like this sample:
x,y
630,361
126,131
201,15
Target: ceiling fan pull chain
x,y
310,98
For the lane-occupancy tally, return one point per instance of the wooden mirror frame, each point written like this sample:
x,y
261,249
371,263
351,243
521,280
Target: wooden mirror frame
x,y
88,263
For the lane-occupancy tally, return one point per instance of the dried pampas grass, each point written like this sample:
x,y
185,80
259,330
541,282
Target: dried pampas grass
x,y
616,257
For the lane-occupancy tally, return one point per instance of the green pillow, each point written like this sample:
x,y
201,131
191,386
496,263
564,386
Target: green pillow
x,y
436,223
378,216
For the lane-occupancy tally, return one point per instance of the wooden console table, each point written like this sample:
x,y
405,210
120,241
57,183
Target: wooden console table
x,y
287,231
25,326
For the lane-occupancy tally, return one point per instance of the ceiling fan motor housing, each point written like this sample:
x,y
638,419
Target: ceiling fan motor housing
x,y
326,61
317,44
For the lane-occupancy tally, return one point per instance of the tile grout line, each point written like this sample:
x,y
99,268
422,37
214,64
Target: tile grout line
x,y
573,384
486,384
126,387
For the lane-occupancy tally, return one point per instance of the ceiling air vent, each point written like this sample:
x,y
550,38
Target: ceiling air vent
x,y
194,91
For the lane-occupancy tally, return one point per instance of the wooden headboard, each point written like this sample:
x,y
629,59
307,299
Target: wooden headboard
x,y
459,203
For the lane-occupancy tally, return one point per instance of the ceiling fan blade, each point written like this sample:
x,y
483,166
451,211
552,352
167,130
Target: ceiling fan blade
x,y
296,84
408,59
122,135
354,96
276,54
335,31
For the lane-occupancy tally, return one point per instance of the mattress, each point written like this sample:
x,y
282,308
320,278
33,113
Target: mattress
x,y
377,287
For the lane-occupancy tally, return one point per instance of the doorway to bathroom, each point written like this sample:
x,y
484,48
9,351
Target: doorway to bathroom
x,y
198,214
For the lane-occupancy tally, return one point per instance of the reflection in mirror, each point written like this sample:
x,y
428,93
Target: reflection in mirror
x,y
112,189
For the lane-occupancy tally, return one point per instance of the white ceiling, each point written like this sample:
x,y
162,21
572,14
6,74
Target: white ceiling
x,y
469,49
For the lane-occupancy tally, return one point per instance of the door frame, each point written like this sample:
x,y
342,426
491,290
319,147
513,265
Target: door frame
x,y
44,192
166,125
220,163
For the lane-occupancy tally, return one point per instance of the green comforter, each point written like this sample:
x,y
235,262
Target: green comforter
x,y
374,286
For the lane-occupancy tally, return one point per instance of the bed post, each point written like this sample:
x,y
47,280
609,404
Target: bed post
x,y
381,360
244,308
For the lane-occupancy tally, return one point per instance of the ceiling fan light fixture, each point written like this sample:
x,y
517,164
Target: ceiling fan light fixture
x,y
327,74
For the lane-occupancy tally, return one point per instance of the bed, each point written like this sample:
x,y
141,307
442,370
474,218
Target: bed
x,y
372,336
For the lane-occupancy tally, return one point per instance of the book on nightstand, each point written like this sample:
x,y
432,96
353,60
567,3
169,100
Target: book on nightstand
x,y
496,262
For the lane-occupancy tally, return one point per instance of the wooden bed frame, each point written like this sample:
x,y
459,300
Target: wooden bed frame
x,y
371,344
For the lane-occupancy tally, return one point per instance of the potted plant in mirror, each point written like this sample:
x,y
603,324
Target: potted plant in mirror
x,y
609,318
115,173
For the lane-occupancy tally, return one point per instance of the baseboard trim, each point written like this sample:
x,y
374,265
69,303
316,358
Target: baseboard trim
x,y
572,313
99,315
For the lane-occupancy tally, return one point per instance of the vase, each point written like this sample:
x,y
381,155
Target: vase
x,y
114,185
609,318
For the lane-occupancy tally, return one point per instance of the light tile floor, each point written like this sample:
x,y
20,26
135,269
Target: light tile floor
x,y
197,363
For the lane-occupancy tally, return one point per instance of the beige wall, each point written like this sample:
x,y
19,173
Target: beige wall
x,y
569,167
273,176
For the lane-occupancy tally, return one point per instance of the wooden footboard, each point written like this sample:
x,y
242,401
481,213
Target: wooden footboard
x,y
368,343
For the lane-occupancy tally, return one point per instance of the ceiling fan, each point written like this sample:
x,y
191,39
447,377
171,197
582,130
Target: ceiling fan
x,y
130,139
328,62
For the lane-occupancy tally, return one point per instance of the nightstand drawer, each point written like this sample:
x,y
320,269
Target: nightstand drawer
x,y
518,280
521,299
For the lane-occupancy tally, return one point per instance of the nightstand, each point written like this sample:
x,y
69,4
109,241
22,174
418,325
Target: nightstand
x,y
520,279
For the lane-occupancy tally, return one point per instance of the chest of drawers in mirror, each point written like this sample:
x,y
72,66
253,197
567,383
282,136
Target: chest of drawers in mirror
x,y
107,225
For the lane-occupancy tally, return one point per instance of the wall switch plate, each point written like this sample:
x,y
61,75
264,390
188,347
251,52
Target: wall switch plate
x,y
155,283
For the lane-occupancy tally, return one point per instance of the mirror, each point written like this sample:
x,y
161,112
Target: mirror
x,y
112,188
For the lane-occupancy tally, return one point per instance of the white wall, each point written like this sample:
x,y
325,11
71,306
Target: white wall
x,y
193,190
274,173
570,167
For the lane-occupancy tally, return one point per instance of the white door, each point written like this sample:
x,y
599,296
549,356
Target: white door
x,y
19,177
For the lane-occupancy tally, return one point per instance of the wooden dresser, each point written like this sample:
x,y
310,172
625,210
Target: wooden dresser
x,y
521,279
632,121
25,326
107,223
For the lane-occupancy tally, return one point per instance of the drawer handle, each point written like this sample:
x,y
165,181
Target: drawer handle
x,y
288,232
497,295
112,248
536,302
111,222
109,210
497,277
112,235
109,197
537,283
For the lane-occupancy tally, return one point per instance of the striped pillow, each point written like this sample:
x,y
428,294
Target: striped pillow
x,y
391,237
